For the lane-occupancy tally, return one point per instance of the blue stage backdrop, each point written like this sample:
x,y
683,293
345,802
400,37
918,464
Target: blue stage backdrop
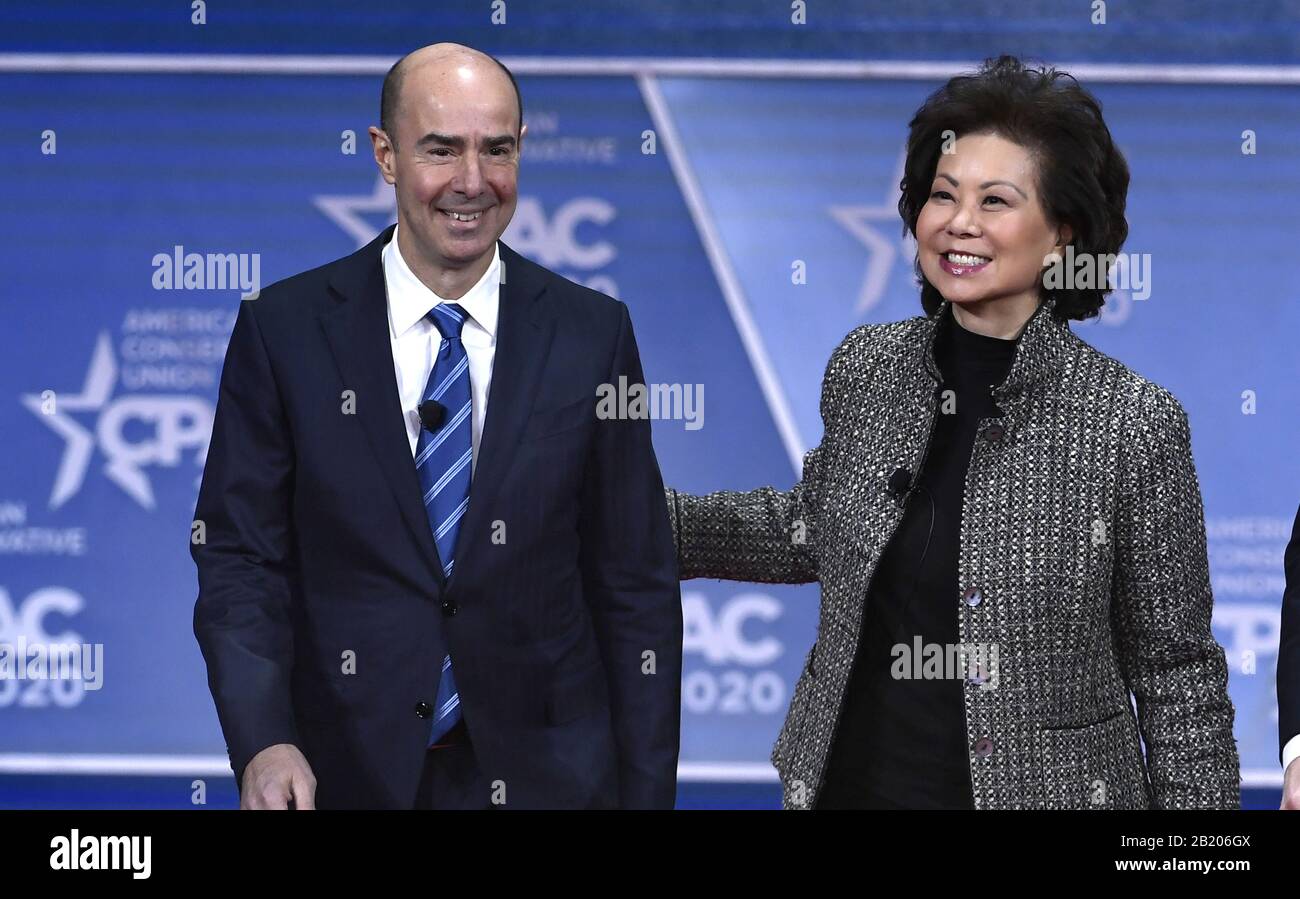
x,y
748,223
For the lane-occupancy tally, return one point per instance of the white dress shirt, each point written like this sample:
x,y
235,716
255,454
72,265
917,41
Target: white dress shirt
x,y
415,340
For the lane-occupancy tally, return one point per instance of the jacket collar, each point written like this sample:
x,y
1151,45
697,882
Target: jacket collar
x,y
1040,352
357,330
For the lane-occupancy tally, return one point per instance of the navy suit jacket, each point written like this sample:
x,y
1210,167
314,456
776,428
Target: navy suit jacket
x,y
323,614
1288,652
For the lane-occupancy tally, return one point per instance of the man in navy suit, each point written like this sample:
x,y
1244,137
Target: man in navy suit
x,y
430,575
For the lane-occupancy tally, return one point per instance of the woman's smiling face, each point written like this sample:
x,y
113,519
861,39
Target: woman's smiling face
x,y
983,234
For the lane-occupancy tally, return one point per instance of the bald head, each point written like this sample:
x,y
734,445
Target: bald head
x,y
440,61
456,113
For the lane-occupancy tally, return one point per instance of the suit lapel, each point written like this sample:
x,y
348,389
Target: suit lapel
x,y
524,332
358,335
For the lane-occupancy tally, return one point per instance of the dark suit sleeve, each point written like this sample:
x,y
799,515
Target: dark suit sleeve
x,y
1288,654
246,579
630,580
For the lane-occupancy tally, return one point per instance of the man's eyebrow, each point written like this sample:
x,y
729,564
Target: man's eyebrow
x,y
434,137
448,140
985,186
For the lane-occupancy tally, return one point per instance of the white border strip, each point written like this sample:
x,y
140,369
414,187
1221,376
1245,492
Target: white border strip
x,y
219,766
1258,778
139,765
768,382
727,772
922,70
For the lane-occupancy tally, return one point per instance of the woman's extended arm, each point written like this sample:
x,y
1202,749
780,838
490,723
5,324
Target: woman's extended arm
x,y
764,535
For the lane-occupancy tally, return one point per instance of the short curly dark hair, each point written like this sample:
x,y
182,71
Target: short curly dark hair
x,y
1082,176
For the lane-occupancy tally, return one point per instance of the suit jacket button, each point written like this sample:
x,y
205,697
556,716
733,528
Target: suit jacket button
x,y
972,597
449,607
423,709
983,747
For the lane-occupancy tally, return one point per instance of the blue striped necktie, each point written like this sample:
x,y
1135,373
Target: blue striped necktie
x,y
443,460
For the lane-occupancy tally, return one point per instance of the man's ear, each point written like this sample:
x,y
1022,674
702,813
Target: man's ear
x,y
385,154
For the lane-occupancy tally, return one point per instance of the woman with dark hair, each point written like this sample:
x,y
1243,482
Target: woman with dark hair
x,y
1006,523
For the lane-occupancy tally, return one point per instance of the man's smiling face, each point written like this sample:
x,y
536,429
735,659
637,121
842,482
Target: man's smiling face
x,y
456,163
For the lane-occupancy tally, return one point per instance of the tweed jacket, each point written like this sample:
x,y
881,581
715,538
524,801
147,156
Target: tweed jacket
x,y
1082,559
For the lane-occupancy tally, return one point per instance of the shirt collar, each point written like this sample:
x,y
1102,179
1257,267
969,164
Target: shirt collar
x,y
409,300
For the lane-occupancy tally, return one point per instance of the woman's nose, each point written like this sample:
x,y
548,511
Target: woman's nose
x,y
963,222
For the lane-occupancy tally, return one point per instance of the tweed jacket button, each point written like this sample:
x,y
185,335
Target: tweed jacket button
x,y
972,597
983,747
449,607
993,433
423,710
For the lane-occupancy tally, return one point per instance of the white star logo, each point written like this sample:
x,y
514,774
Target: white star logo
x,y
345,211
100,380
179,423
882,249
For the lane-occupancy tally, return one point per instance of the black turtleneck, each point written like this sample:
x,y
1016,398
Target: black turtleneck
x,y
902,743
